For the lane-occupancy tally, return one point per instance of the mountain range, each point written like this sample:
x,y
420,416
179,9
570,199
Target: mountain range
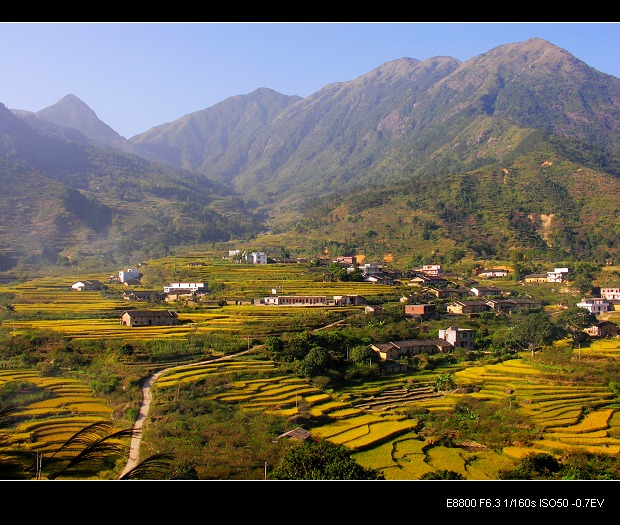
x,y
513,153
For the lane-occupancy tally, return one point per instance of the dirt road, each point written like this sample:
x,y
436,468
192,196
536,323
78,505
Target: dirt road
x,y
134,447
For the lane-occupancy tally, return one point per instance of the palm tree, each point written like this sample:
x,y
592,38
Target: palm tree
x,y
98,446
11,309
93,449
13,460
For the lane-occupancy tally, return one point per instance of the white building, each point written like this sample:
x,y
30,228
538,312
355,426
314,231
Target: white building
x,y
594,306
368,269
128,275
558,275
184,287
92,284
459,337
257,258
610,293
297,300
431,269
493,272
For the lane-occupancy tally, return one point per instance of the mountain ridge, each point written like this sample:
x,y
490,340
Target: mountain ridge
x,y
403,126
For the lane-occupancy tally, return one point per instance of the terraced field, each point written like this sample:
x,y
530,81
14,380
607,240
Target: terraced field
x,y
368,418
49,303
43,426
571,416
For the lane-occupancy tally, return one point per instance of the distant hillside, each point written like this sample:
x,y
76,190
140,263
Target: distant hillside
x,y
513,153
215,141
408,118
64,197
71,119
540,207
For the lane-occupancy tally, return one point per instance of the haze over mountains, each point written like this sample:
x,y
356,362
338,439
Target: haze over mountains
x,y
513,150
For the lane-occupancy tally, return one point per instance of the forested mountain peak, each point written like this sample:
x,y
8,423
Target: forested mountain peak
x,y
528,117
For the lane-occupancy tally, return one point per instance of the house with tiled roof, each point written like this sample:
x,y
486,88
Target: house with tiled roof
x,y
298,434
394,350
143,295
595,306
508,305
459,337
447,292
485,291
467,307
603,329
149,318
427,280
422,312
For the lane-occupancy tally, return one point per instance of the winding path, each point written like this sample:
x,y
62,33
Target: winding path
x,y
134,447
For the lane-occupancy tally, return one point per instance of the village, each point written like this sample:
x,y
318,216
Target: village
x,y
435,295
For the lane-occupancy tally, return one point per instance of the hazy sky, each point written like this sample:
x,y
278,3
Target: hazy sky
x,y
135,76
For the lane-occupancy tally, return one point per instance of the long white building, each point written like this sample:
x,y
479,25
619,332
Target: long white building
x,y
184,287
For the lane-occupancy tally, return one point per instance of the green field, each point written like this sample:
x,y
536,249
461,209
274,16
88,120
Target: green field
x,y
379,420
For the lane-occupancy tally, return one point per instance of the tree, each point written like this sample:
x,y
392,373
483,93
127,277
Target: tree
x,y
583,284
338,272
274,345
316,460
533,331
574,320
357,275
572,466
11,310
126,349
444,382
443,475
315,362
533,466
362,354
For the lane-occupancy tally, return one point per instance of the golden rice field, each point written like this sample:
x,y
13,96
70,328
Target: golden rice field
x,y
380,438
364,418
44,426
255,320
572,417
600,348
53,295
49,303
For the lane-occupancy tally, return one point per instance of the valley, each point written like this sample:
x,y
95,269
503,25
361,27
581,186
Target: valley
x,y
406,424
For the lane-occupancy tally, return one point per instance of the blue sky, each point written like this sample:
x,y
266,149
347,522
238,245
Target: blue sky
x,y
135,76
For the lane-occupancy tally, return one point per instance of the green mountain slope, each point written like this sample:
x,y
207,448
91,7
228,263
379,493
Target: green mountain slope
x,y
403,119
540,207
515,151
63,197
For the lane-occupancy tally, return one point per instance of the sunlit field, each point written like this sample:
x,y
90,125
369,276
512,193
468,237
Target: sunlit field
x,y
43,426
257,321
49,303
373,419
